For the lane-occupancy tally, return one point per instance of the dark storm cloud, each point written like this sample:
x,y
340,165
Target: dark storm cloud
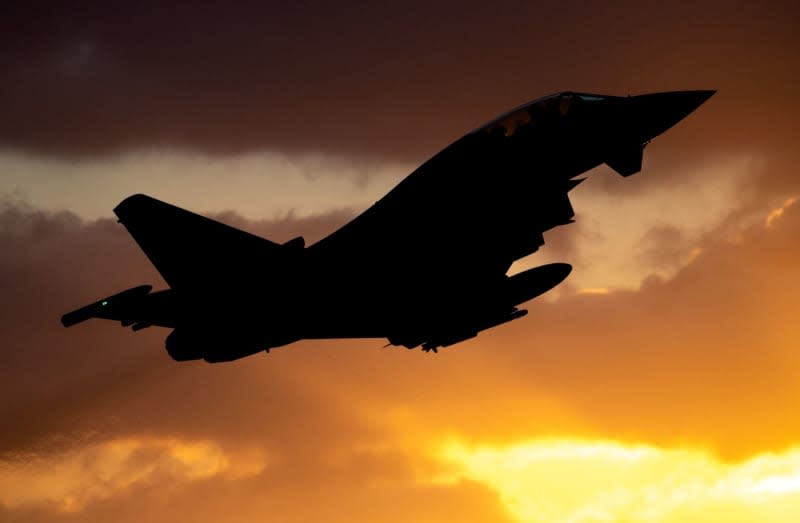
x,y
372,79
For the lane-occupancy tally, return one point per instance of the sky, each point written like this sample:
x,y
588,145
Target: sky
x,y
658,383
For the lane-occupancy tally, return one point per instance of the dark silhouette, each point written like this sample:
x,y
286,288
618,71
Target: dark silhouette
x,y
426,265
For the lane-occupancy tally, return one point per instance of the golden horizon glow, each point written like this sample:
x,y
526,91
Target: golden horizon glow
x,y
578,480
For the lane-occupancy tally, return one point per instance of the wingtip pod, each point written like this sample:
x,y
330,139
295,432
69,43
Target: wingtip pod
x,y
77,316
98,308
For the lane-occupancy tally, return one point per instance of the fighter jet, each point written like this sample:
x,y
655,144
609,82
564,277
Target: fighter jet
x,y
426,266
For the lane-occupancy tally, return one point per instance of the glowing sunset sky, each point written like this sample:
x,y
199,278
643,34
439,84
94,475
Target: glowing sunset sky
x,y
660,382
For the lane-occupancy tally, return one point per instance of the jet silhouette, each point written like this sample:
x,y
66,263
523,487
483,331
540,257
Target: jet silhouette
x,y
424,266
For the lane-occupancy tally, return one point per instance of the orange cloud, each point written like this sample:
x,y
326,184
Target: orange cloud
x,y
70,480
777,213
703,363
593,291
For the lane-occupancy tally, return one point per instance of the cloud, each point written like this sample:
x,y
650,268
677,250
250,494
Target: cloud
x,y
776,213
700,357
628,229
687,358
702,360
104,427
348,79
587,481
593,291
69,481
260,185
51,263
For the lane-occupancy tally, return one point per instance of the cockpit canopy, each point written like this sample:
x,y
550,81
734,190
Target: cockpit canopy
x,y
554,105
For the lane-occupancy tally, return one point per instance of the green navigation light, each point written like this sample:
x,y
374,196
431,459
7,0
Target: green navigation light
x,y
104,303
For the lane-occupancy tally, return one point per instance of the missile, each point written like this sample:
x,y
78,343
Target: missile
x,y
103,308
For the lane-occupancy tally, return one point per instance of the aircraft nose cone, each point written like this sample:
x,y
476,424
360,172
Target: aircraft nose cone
x,y
652,114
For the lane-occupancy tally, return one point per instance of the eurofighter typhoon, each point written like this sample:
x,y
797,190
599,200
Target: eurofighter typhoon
x,y
425,266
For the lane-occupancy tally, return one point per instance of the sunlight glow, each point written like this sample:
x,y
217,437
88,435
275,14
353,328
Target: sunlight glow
x,y
577,481
593,291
